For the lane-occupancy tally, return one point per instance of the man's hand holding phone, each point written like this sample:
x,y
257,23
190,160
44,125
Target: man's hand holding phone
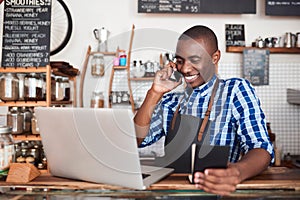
x,y
176,76
167,78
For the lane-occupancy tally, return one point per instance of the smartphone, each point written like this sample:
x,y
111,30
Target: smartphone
x,y
177,75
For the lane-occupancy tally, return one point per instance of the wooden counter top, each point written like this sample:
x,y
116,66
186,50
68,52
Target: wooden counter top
x,y
273,178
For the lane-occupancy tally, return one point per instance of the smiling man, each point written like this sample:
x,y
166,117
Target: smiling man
x,y
236,118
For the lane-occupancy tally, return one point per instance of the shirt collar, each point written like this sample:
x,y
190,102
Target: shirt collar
x,y
205,88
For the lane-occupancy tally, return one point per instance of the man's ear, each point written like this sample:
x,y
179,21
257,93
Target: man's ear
x,y
216,57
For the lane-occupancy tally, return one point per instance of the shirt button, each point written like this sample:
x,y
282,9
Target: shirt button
x,y
190,103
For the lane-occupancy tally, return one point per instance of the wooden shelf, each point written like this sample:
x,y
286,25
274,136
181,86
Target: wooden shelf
x,y
120,67
48,70
23,103
295,50
33,103
22,137
125,68
104,53
23,69
61,102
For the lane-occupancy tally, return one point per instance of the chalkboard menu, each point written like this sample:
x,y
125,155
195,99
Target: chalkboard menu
x,y
26,33
197,6
235,34
283,7
256,66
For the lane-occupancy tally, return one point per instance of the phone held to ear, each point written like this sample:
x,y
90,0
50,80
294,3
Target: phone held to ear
x,y
177,75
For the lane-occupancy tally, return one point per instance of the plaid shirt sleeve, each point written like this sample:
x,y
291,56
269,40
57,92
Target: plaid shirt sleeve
x,y
161,118
250,120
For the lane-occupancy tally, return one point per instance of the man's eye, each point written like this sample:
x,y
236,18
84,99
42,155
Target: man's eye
x,y
179,62
195,61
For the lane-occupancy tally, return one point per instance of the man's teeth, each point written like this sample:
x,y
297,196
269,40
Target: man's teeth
x,y
191,77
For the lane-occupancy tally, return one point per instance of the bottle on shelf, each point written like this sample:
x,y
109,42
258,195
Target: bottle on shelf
x,y
116,61
122,58
133,69
97,100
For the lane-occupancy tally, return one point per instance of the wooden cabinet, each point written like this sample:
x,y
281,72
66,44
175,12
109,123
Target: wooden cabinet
x,y
48,102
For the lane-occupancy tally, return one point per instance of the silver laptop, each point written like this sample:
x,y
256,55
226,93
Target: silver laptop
x,y
96,145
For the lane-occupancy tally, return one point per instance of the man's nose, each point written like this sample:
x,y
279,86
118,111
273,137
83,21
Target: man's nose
x,y
186,67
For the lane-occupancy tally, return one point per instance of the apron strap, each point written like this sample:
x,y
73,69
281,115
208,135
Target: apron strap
x,y
175,116
207,113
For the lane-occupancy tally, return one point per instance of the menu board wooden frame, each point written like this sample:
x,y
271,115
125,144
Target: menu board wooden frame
x,y
283,7
26,33
197,6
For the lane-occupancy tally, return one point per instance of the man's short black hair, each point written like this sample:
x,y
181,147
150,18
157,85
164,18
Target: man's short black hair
x,y
201,32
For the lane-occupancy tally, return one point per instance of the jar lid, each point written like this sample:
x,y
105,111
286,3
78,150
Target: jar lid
x,y
5,129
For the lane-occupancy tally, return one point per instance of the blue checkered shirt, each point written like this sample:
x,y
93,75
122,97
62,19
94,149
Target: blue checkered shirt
x,y
236,117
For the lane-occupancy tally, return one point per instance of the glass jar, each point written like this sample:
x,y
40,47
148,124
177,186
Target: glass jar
x,y
44,86
34,126
97,100
9,87
67,89
125,97
17,151
7,152
53,87
98,64
133,69
22,156
32,156
40,85
33,88
27,113
21,86
140,71
59,88
15,120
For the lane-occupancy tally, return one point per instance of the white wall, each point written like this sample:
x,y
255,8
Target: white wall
x,y
119,15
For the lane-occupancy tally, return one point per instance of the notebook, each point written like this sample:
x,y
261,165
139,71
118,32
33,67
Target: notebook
x,y
95,145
